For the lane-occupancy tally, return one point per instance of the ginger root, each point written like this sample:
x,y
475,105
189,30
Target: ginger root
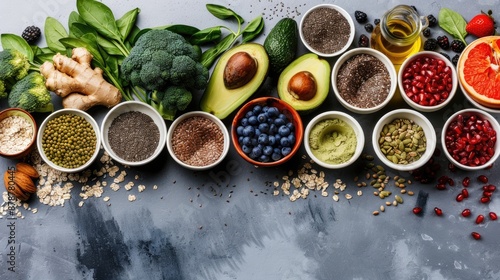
x,y
80,86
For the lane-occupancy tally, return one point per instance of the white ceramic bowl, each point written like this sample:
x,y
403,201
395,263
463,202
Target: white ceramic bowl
x,y
76,112
129,106
483,115
208,116
332,115
380,56
434,55
419,119
343,13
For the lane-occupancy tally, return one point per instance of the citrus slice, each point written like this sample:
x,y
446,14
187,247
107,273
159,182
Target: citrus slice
x,y
479,71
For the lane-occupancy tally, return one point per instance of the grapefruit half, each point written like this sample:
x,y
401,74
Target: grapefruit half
x,y
479,71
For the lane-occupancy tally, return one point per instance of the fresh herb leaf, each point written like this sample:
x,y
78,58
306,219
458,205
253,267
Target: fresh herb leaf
x,y
127,22
209,56
253,29
223,12
206,35
453,23
15,42
100,17
54,31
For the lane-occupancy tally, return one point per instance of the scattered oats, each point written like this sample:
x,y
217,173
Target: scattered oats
x,y
324,193
276,192
141,188
80,204
155,187
136,177
34,210
104,183
131,197
129,185
335,197
360,193
26,206
121,177
115,187
348,196
106,198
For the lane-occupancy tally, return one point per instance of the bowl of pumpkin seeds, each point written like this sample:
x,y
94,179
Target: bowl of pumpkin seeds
x,y
404,139
68,140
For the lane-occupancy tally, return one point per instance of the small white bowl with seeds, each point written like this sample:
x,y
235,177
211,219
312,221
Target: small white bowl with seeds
x,y
198,140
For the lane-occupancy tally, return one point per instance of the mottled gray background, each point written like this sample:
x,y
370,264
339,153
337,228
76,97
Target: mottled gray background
x,y
255,235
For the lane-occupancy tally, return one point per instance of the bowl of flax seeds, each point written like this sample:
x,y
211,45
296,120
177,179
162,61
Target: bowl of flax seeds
x,y
198,140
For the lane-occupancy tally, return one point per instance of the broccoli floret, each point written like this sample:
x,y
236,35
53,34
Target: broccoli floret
x,y
161,59
31,94
13,67
171,100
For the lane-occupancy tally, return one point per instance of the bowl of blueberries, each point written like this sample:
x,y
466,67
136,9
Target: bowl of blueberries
x,y
267,131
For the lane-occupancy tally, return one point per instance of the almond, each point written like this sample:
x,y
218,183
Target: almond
x,y
24,182
12,187
27,169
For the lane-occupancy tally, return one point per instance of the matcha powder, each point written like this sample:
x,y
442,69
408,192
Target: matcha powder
x,y
333,141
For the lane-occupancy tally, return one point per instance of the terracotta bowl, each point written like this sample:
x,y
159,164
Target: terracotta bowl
x,y
27,116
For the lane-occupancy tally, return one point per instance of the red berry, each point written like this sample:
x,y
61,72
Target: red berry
x,y
485,199
476,235
483,179
493,216
466,182
479,219
438,211
460,197
465,193
441,187
417,210
466,212
481,25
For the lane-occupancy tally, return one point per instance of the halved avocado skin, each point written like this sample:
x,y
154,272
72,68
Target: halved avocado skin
x,y
221,101
319,68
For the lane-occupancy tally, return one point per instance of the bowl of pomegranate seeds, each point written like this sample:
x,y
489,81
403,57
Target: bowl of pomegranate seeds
x,y
469,139
427,81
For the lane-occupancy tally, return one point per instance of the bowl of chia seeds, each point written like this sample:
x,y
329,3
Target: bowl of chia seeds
x,y
404,139
68,140
364,80
133,133
198,140
327,30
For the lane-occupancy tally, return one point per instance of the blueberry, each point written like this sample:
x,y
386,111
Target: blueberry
x,y
285,142
249,131
240,139
271,140
276,156
264,158
263,139
279,122
256,151
249,114
291,138
273,112
246,149
244,121
262,118
257,132
239,130
277,138
253,141
246,140
264,127
291,126
273,128
284,130
286,151
252,120
268,150
257,109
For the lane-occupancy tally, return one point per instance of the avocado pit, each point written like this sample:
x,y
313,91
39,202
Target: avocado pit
x,y
302,85
239,70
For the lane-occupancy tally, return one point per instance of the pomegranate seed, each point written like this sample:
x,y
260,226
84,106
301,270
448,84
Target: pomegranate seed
x,y
466,182
417,210
460,197
465,193
485,199
493,216
479,219
451,182
476,235
438,211
466,212
483,179
487,194
441,187
490,188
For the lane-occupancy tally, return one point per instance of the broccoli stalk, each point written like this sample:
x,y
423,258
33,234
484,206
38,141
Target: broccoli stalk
x,y
13,67
168,66
31,94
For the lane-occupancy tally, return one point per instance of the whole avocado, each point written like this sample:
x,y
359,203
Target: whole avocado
x,y
281,45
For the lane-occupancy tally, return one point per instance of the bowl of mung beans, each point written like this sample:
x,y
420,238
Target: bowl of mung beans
x,y
198,140
404,139
68,140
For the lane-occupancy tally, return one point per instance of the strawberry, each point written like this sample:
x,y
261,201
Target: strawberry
x,y
481,25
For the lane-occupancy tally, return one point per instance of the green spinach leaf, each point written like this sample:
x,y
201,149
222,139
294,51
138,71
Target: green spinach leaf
x,y
127,22
223,12
54,31
453,23
253,29
100,17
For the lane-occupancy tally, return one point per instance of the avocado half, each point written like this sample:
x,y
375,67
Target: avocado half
x,y
320,71
220,100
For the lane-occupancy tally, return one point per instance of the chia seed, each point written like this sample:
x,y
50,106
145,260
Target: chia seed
x,y
197,141
133,136
363,81
326,30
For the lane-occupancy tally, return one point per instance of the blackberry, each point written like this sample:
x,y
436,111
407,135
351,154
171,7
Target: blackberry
x,y
432,20
445,55
369,27
443,42
430,44
360,16
426,32
457,46
31,34
376,21
363,41
455,58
